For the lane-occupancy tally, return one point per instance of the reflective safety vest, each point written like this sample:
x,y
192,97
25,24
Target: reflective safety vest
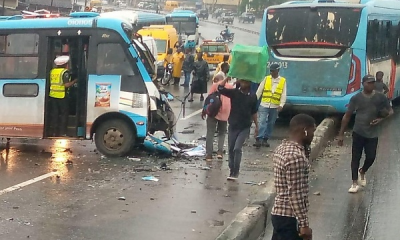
x,y
273,97
57,88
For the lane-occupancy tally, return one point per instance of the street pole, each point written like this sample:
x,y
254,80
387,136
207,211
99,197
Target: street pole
x,y
4,8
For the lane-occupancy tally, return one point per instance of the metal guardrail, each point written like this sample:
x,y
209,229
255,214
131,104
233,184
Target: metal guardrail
x,y
211,22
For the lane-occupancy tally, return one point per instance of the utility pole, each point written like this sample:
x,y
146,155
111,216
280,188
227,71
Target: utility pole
x,y
4,8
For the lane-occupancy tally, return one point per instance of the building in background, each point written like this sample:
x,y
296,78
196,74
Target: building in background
x,y
228,4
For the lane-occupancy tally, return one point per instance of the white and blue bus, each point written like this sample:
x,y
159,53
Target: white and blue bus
x,y
324,49
138,19
114,100
186,24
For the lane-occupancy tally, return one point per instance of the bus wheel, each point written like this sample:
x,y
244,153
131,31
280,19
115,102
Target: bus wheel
x,y
114,138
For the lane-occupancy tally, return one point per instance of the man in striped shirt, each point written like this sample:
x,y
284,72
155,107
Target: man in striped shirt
x,y
291,168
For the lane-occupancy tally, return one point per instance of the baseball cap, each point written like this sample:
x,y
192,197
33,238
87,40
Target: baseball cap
x,y
274,67
368,78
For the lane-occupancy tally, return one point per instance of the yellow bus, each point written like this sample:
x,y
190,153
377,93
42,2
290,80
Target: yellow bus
x,y
171,5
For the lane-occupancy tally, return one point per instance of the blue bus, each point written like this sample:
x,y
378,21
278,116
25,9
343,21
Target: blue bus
x,y
186,24
114,100
325,48
138,19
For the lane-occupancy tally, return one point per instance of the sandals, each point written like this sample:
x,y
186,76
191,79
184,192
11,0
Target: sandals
x,y
209,158
220,156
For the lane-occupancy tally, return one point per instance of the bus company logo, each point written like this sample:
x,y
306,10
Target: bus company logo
x,y
105,35
75,22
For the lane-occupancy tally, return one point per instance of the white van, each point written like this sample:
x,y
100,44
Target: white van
x,y
151,44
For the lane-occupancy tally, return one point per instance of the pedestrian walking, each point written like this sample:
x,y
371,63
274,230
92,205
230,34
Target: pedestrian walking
x,y
223,72
380,86
201,75
370,107
187,67
243,113
224,60
177,60
219,122
289,214
272,93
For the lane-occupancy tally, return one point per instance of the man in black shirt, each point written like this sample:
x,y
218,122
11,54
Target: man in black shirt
x,y
243,113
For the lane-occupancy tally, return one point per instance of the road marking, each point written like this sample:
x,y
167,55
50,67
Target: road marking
x,y
29,182
192,114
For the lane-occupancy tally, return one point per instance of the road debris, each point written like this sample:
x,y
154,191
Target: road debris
x,y
122,198
193,211
134,159
150,178
255,183
317,193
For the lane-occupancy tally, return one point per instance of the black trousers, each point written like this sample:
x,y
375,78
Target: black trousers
x,y
58,116
360,143
285,228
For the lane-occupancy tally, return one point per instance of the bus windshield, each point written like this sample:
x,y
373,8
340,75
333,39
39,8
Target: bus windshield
x,y
186,25
325,25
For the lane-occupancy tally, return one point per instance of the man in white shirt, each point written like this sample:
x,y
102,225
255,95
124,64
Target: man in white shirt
x,y
222,73
272,92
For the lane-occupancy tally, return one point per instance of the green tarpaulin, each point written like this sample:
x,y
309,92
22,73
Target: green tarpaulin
x,y
249,63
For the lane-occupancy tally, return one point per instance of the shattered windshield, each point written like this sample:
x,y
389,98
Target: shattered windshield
x,y
321,25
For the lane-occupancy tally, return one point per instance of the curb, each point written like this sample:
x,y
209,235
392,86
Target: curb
x,y
250,223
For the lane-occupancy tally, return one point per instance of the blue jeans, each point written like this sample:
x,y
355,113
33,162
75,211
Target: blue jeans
x,y
187,78
266,120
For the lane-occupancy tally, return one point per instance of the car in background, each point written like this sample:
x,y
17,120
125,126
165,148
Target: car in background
x,y
226,17
247,17
203,14
213,52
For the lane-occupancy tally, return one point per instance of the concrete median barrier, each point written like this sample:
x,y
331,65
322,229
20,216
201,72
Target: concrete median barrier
x,y
250,223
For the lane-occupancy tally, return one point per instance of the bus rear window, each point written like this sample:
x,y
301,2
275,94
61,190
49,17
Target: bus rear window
x,y
308,52
334,25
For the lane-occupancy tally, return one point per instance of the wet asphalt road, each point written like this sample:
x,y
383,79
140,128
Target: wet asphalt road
x,y
80,201
371,214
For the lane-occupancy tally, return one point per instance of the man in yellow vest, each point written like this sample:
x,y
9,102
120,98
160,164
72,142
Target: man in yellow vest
x,y
272,92
58,103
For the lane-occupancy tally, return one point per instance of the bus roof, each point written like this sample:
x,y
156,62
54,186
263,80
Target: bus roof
x,y
75,20
182,13
135,16
384,4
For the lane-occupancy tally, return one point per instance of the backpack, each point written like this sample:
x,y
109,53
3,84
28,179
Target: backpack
x,y
212,104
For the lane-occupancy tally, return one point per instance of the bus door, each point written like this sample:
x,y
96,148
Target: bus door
x,y
67,117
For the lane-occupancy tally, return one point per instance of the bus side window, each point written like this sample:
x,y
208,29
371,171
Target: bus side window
x,y
19,56
111,60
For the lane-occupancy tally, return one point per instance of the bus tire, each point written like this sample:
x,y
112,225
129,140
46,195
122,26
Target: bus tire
x,y
114,138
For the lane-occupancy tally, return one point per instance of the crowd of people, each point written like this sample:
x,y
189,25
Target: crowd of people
x,y
242,105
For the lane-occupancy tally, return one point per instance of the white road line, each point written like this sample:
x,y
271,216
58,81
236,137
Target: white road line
x,y
192,114
29,182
